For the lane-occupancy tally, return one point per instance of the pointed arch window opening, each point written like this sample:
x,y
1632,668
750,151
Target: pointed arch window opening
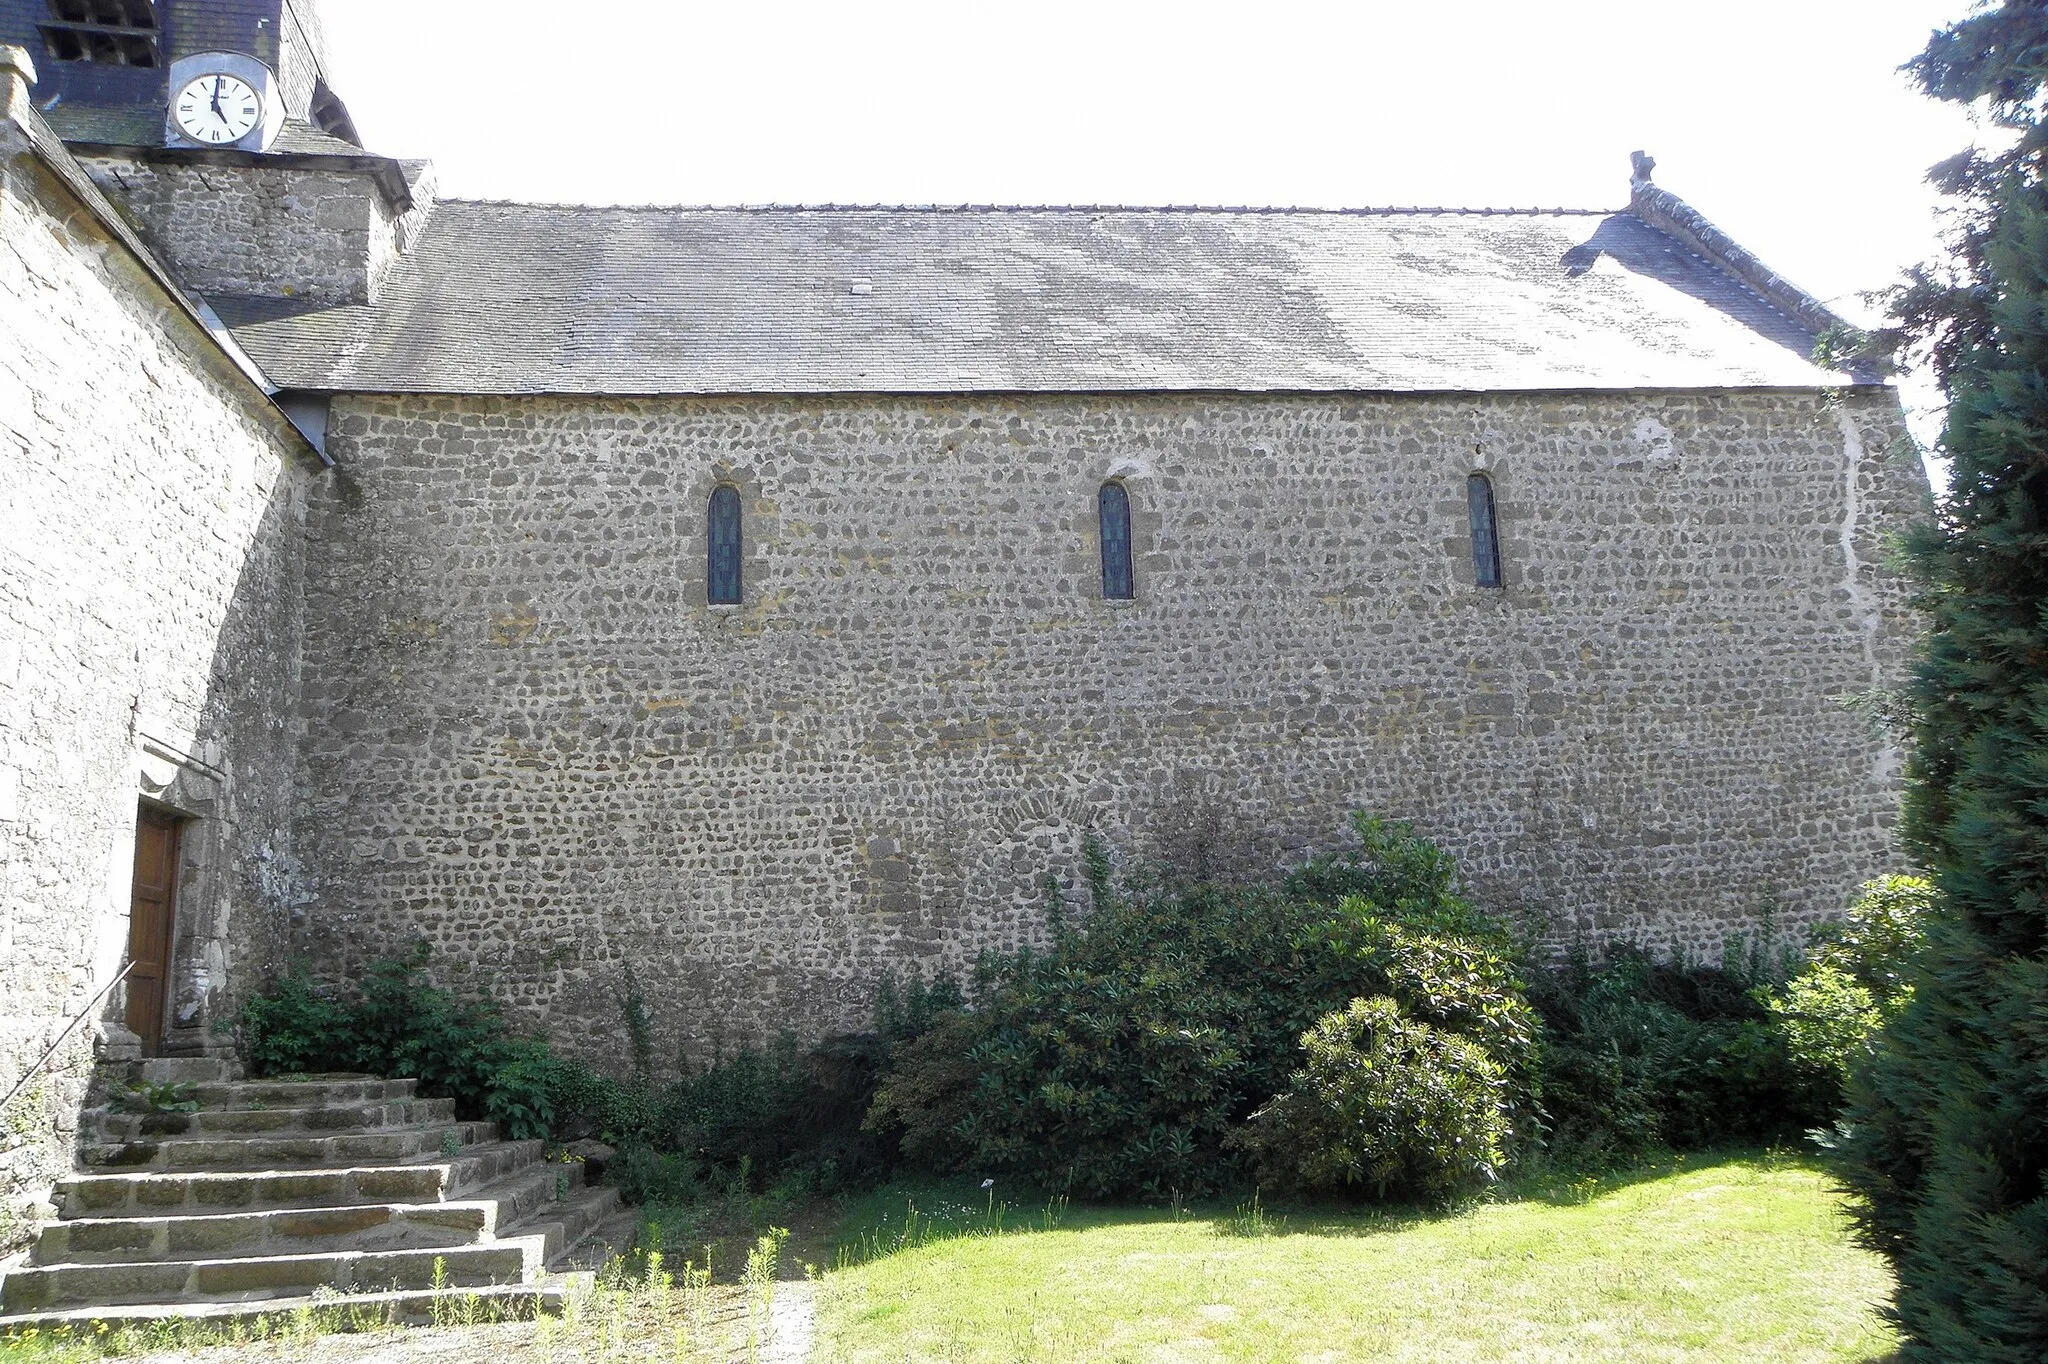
x,y
1485,531
722,561
1113,516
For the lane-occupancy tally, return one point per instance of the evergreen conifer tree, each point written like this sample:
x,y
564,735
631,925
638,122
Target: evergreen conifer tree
x,y
1948,1143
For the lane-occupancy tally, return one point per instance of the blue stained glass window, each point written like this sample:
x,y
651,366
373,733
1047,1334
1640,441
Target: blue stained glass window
x,y
722,566
1113,511
1485,533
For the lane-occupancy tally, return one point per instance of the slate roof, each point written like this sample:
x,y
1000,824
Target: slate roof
x,y
524,298
300,137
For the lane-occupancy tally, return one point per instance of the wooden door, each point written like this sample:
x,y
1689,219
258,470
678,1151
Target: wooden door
x,y
152,911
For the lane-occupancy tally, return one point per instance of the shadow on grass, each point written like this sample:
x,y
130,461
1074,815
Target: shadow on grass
x,y
1564,1186
910,1214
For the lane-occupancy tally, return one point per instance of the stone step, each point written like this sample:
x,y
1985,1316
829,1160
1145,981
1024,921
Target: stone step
x,y
509,1260
114,1127
269,1153
341,1312
531,1192
310,1092
567,1221
175,1070
182,1193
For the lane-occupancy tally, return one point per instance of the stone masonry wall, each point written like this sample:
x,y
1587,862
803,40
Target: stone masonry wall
x,y
531,742
151,534
272,231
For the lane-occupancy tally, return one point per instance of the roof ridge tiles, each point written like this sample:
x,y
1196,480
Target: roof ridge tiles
x,y
1248,210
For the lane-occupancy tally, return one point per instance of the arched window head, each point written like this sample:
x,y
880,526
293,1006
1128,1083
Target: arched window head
x,y
1113,515
1485,532
722,561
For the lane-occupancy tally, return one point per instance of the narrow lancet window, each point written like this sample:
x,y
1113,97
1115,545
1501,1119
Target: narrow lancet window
x,y
1485,534
1113,513
722,567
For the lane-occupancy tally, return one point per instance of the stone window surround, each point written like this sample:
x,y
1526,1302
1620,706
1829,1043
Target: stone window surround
x,y
1498,473
1141,485
758,525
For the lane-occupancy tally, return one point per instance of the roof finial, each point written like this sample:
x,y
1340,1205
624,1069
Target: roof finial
x,y
1640,164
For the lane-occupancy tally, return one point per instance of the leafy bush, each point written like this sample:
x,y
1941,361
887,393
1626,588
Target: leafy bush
x,y
906,1012
779,1106
1639,1053
754,1115
291,1029
1883,932
643,1175
1856,982
1387,1104
1466,985
399,1023
1410,880
1827,1020
782,1114
1120,1060
1370,1025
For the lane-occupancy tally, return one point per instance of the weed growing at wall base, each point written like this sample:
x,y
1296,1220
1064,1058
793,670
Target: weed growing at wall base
x,y
397,1022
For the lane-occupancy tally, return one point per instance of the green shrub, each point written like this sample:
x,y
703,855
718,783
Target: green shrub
x,y
1118,1061
294,1028
642,1174
758,1115
908,1011
1827,1020
1883,932
1639,1054
752,1106
521,1085
403,1024
781,1114
1465,985
1856,982
1385,1104
1410,880
398,1023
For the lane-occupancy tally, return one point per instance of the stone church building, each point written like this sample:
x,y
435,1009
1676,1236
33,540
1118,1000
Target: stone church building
x,y
769,597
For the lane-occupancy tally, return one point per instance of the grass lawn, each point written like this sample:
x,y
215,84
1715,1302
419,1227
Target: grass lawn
x,y
1711,1259
1731,1258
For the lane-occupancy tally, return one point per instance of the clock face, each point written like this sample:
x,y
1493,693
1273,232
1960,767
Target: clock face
x,y
217,109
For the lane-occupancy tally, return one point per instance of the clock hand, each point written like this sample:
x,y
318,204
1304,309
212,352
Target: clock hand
x,y
216,100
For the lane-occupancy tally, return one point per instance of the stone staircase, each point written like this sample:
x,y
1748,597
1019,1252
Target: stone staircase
x,y
344,1190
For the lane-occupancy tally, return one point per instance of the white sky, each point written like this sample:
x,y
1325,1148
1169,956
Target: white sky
x,y
1784,121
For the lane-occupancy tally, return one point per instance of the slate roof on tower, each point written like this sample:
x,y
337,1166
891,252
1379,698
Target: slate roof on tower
x,y
525,298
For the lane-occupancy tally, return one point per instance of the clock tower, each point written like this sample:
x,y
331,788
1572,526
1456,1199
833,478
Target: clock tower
x,y
212,124
115,72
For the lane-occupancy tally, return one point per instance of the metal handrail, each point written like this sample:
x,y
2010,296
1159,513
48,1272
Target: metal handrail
x,y
76,1019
